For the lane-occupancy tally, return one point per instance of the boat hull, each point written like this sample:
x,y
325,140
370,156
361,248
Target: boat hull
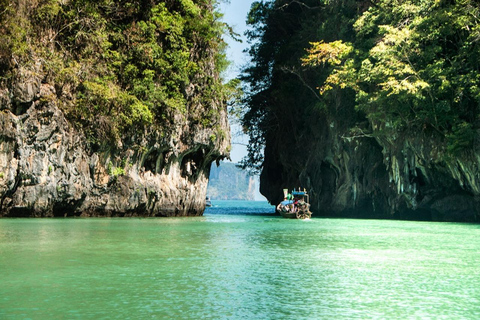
x,y
288,215
290,212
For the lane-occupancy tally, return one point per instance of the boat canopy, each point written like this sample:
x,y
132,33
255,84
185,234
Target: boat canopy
x,y
299,193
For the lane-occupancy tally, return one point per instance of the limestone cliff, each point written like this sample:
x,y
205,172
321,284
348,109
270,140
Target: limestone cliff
x,y
57,161
375,111
353,174
228,182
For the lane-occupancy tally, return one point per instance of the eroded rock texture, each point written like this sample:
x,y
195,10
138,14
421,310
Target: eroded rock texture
x,y
46,168
360,174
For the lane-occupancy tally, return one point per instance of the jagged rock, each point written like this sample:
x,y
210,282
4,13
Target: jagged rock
x,y
399,176
46,169
26,84
99,116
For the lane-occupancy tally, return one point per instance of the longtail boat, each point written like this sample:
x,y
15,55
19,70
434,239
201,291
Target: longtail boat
x,y
295,205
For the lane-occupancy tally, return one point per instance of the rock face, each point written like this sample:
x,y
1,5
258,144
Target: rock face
x,y
109,108
228,182
399,176
359,116
46,168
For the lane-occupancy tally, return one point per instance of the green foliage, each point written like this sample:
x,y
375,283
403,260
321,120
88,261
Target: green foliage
x,y
422,69
234,94
213,137
125,65
115,171
407,66
281,96
48,11
118,172
322,53
461,138
14,33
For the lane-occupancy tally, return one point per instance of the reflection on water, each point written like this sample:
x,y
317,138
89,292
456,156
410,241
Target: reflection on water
x,y
239,266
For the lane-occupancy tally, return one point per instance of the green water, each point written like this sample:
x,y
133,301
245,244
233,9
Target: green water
x,y
238,266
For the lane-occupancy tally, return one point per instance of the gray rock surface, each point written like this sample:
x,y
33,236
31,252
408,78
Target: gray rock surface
x,y
358,173
47,170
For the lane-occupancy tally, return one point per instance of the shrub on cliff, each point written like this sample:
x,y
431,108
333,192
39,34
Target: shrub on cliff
x,y
407,66
119,66
420,71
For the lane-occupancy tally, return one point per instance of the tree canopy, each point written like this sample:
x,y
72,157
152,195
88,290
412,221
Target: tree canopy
x,y
403,65
120,64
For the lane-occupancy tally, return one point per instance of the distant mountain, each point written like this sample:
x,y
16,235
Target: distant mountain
x,y
228,182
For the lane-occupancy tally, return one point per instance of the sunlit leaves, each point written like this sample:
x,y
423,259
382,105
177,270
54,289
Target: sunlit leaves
x,y
389,66
190,7
128,63
413,65
332,54
321,53
342,77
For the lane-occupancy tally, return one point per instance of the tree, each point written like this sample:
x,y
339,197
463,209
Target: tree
x,y
121,66
281,96
420,70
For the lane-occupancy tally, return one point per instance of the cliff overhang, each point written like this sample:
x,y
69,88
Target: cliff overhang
x,y
118,111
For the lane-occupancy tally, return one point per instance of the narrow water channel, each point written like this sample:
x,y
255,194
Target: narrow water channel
x,y
239,261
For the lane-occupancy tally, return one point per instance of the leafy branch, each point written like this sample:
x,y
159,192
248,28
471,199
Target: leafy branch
x,y
300,3
302,80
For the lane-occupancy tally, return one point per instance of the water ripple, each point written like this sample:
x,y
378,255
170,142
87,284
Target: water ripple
x,y
238,266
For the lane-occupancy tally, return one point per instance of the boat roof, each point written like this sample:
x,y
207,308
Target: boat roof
x,y
299,193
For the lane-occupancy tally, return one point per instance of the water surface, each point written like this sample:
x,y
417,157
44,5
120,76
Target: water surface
x,y
239,261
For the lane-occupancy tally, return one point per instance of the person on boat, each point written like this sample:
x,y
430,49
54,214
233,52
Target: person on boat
x,y
291,208
295,205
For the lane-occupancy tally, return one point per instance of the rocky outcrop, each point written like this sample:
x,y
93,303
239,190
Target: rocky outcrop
x,y
228,182
366,107
46,168
360,173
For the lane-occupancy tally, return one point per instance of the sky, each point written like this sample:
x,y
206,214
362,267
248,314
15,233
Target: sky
x,y
235,13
